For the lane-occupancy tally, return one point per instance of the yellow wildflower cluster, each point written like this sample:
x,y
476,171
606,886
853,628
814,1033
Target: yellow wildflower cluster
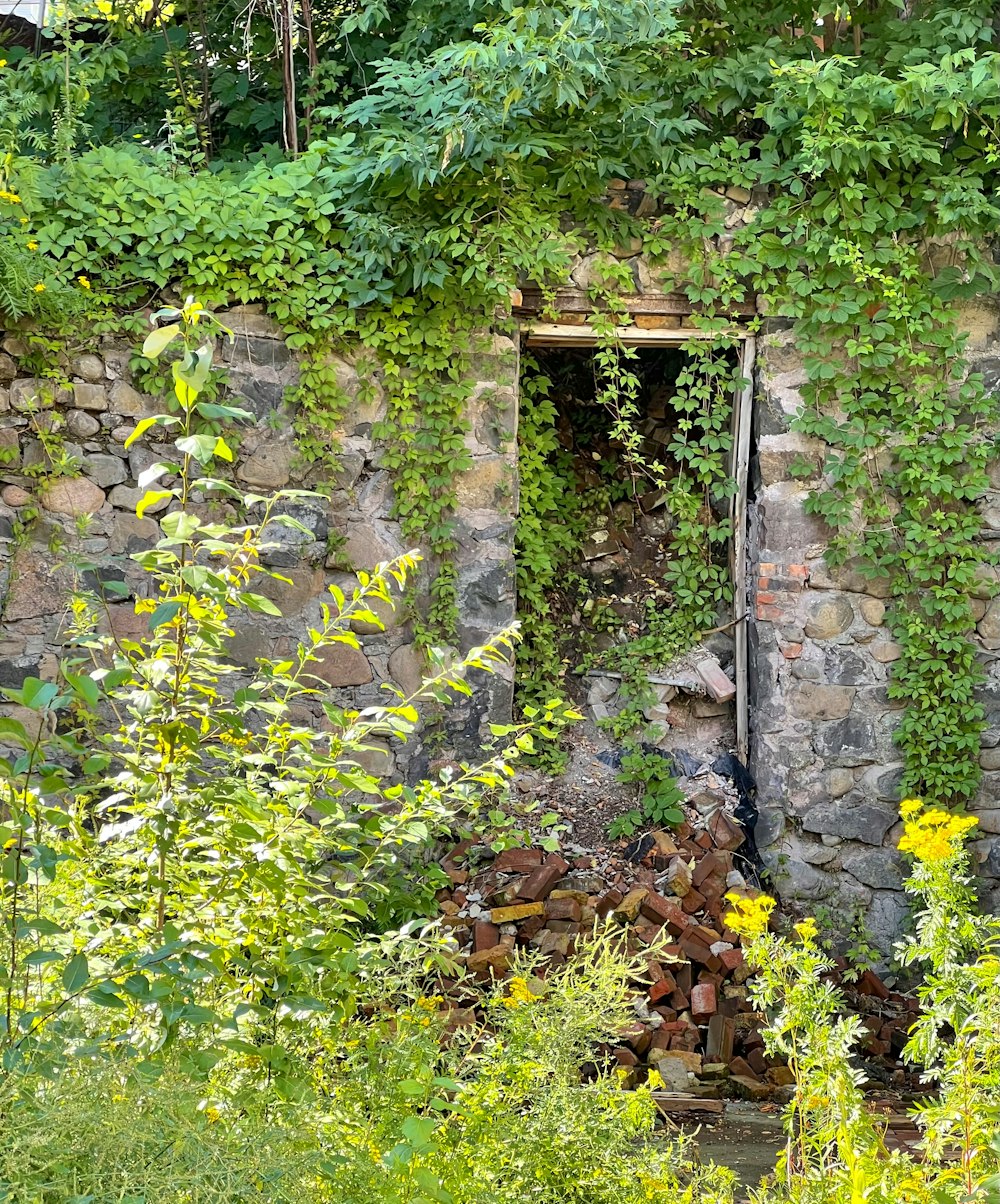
x,y
518,993
749,917
429,1003
10,197
807,930
934,835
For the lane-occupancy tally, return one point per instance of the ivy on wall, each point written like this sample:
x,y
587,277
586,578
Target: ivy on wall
x,y
448,159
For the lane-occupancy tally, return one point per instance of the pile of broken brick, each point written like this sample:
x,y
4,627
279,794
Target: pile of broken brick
x,y
694,1022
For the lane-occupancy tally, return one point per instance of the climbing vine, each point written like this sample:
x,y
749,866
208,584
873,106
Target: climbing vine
x,y
447,163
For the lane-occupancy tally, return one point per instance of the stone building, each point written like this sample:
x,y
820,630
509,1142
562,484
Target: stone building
x,y
814,715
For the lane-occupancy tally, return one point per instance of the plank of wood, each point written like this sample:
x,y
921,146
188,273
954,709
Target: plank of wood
x,y
742,422
576,301
676,1101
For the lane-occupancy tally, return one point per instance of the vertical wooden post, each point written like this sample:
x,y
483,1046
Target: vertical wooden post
x,y
742,423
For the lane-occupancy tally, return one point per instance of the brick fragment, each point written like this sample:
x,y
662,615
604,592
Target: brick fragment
x,y
520,911
540,882
665,911
703,1002
484,936
563,909
740,1067
518,861
720,1039
718,685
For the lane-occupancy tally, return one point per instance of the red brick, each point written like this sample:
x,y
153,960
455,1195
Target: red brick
x,y
720,1038
563,909
731,959
484,936
798,570
693,901
665,911
561,863
715,862
791,652
608,902
740,1066
625,1057
703,1003
518,861
539,882
757,1061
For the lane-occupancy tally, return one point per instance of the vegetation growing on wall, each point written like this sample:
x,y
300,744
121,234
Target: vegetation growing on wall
x,y
441,157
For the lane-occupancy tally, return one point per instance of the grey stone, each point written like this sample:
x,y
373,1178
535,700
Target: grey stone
x,y
34,393
839,782
105,470
850,820
256,393
799,880
129,403
828,617
812,701
989,625
886,919
882,869
81,424
369,544
787,526
989,758
74,496
88,367
777,455
8,369
124,497
487,484
90,397
846,666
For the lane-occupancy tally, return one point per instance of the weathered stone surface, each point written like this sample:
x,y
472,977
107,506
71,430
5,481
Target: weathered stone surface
x,y
14,495
813,701
850,820
839,782
90,397
886,651
124,497
268,467
802,881
787,527
8,369
105,471
989,625
872,611
989,758
73,496
407,667
82,424
882,869
778,454
34,393
88,367
828,617
885,918
487,484
129,403
342,665
38,586
847,577
369,544
845,666
130,534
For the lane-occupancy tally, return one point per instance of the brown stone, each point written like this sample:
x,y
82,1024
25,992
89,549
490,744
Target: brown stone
x,y
829,617
14,495
407,666
74,496
811,700
268,467
342,665
518,861
886,651
562,909
495,960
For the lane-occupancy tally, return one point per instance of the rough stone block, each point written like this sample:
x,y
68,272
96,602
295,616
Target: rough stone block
x,y
812,701
90,397
342,665
74,496
850,820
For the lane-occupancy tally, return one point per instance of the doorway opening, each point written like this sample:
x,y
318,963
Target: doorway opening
x,y
630,551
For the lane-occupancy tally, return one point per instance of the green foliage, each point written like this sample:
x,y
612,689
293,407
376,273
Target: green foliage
x,y
216,865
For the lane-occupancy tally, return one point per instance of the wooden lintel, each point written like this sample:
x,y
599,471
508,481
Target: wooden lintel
x,y
576,301
543,334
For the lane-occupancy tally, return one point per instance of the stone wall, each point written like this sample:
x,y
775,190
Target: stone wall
x,y
821,721
50,525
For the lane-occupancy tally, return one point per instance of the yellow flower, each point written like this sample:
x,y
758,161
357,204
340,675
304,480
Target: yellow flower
x,y
39,288
519,993
934,836
807,930
23,220
749,917
909,807
212,1114
654,1081
3,62
32,245
10,197
83,281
